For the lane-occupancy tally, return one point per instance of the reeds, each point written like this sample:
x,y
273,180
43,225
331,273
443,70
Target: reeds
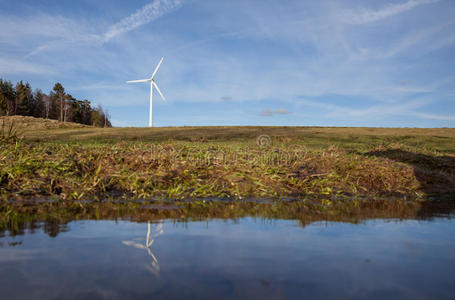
x,y
8,132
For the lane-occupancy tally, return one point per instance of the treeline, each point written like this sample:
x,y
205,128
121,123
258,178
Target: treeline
x,y
57,105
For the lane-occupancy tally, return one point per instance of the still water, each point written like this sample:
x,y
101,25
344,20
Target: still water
x,y
231,259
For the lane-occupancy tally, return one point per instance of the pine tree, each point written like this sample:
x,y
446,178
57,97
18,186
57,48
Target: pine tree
x,y
57,105
39,107
58,101
3,97
10,95
23,99
86,113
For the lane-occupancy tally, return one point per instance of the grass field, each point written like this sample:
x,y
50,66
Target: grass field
x,y
327,164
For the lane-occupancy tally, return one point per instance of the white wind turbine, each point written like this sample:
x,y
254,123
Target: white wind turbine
x,y
152,84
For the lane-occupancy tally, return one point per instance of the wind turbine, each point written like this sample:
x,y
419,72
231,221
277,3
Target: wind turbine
x,y
152,84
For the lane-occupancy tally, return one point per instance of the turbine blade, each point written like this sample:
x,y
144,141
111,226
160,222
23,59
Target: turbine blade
x,y
161,94
157,67
140,80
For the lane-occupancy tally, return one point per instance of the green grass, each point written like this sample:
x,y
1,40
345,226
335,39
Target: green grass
x,y
226,162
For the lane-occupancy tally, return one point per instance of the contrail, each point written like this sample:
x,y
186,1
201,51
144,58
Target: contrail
x,y
146,14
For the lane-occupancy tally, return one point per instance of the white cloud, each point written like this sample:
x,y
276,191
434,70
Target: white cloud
x,y
367,16
142,16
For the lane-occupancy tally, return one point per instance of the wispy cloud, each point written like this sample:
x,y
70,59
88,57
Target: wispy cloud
x,y
434,117
74,34
100,86
367,16
14,66
353,74
269,112
142,16
420,37
409,108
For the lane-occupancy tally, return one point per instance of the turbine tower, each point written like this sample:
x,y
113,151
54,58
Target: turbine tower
x,y
152,84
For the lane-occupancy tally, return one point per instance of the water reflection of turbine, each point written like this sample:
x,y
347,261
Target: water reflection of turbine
x,y
150,238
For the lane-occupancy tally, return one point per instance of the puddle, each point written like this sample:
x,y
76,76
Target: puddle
x,y
245,258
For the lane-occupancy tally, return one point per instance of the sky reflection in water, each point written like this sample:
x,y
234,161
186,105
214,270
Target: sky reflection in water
x,y
225,259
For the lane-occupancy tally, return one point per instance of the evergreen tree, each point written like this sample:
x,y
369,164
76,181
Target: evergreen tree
x,y
39,106
23,99
6,93
70,113
57,105
58,102
9,95
86,113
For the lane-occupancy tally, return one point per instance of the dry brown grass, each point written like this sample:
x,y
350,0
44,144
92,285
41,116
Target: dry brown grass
x,y
181,170
30,124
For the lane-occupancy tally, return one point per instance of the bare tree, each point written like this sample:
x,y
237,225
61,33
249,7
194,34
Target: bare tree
x,y
107,116
47,105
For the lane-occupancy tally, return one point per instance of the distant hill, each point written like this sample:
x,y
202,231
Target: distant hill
x,y
30,123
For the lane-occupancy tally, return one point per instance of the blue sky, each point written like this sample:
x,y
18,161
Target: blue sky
x,y
240,62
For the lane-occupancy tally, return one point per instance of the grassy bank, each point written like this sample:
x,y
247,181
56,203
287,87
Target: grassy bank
x,y
201,162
